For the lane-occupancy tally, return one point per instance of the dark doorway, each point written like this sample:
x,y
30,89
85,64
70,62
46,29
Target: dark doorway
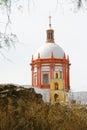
x,y
55,97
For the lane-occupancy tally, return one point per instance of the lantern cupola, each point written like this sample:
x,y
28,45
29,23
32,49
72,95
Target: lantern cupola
x,y
50,33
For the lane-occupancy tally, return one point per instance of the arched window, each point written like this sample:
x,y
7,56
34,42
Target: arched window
x,y
51,35
56,75
56,86
55,97
48,36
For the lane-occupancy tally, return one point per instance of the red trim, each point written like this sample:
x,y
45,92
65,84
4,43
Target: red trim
x,y
45,86
51,62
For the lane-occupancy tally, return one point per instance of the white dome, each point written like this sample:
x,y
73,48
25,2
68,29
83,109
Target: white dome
x,y
47,49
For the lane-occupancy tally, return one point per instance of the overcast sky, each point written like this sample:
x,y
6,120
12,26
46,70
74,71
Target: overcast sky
x,y
30,26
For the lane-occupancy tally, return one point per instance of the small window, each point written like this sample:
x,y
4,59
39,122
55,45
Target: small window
x,y
48,36
35,80
51,35
56,75
45,79
60,74
56,86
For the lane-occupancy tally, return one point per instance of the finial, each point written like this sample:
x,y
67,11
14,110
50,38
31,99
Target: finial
x,y
50,22
38,55
64,56
32,57
68,57
52,55
50,33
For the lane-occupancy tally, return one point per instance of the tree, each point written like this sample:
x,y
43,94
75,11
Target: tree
x,y
9,39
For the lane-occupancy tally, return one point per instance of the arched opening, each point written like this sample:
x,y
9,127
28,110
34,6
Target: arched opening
x,y
55,97
56,75
56,86
48,35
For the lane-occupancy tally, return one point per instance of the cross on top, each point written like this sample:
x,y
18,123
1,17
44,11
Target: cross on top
x,y
50,22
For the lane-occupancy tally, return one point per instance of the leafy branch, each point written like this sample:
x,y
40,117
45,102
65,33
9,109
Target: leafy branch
x,y
6,40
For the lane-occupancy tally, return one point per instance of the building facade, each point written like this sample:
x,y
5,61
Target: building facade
x,y
50,64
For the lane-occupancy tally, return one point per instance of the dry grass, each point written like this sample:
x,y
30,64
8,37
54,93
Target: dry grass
x,y
23,109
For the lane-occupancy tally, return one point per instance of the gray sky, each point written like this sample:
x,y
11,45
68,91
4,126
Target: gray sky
x,y
30,26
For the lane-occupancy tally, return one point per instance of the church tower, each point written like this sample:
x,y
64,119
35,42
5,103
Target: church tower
x,y
50,66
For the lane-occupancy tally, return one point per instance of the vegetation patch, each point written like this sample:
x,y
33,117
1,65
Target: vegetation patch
x,y
23,109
